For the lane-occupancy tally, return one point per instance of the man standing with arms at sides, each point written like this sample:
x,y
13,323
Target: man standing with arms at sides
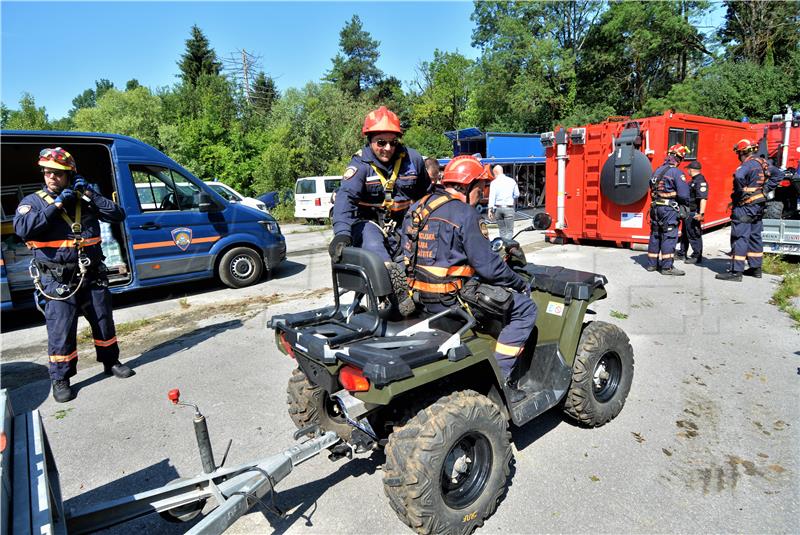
x,y
503,194
693,225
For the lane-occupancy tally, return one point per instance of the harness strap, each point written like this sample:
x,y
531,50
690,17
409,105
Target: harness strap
x,y
75,227
388,185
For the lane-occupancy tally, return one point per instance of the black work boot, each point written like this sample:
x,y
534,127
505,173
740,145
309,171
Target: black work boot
x,y
61,390
651,268
735,276
694,260
117,369
752,272
673,271
679,255
515,394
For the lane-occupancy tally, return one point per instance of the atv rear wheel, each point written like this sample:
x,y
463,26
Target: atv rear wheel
x,y
310,404
601,374
447,467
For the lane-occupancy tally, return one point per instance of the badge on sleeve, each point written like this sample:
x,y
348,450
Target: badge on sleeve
x,y
703,189
484,230
23,209
349,172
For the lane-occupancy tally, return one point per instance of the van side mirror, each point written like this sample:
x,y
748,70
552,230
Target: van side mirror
x,y
542,221
204,202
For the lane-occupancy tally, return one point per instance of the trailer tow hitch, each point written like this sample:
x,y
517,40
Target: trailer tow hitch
x,y
234,490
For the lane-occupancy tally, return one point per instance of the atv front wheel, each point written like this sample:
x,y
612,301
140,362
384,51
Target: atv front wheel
x,y
601,374
447,467
310,404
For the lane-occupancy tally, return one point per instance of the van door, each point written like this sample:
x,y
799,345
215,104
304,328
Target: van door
x,y
171,236
305,196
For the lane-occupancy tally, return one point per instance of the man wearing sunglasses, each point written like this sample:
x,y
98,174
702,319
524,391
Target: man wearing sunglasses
x,y
378,186
61,225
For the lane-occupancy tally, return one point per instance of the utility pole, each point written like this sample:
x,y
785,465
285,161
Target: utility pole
x,y
246,74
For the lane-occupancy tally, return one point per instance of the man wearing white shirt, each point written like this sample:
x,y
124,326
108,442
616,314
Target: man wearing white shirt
x,y
503,193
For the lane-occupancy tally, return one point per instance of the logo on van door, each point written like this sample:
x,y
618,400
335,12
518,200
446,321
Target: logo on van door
x,y
182,237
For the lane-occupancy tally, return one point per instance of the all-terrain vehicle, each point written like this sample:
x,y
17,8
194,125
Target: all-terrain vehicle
x,y
427,389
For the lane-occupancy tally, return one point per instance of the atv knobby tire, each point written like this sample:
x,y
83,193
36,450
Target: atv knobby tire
x,y
447,467
601,374
773,210
310,404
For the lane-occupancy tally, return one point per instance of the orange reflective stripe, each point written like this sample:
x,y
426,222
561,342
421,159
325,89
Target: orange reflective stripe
x,y
652,255
445,288
60,244
105,343
504,349
402,205
750,190
155,244
370,205
755,254
64,358
667,256
453,271
753,198
742,258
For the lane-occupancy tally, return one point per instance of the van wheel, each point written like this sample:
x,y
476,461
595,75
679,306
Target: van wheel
x,y
447,468
240,267
601,374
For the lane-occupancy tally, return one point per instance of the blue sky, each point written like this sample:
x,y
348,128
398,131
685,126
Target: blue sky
x,y
81,42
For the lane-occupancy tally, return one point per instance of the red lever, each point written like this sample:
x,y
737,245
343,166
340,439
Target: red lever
x,y
174,396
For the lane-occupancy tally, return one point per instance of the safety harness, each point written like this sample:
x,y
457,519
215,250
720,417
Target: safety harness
x,y
76,241
755,194
385,208
433,283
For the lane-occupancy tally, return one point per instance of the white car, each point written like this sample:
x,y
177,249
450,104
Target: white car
x,y
232,195
313,196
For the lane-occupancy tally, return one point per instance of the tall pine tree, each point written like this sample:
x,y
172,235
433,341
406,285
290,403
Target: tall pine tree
x,y
354,69
198,59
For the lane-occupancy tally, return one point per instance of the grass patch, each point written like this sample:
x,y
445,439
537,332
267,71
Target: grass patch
x,y
619,315
85,336
61,413
789,268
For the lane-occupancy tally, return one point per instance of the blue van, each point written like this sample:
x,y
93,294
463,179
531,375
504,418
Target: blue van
x,y
178,229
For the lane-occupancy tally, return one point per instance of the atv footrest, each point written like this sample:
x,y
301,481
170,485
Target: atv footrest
x,y
384,360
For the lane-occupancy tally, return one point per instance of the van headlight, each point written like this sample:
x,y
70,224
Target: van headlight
x,y
271,226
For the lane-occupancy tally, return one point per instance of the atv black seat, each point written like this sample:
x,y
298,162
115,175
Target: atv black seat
x,y
360,270
564,282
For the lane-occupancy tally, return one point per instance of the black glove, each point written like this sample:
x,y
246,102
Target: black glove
x,y
81,185
338,243
66,197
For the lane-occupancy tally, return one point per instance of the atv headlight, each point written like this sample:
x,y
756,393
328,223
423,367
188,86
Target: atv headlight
x,y
271,225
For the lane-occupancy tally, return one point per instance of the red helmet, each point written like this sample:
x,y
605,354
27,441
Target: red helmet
x,y
381,120
679,150
464,170
743,146
57,158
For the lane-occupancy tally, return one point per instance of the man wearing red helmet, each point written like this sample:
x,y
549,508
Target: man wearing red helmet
x,y
752,181
444,246
378,186
668,190
60,223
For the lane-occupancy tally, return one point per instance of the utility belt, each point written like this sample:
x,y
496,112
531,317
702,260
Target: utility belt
x,y
65,273
752,197
483,299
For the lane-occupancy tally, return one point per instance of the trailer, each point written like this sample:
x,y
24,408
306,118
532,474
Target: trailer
x,y
31,501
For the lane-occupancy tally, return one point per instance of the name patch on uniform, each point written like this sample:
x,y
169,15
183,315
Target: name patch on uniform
x,y
350,171
23,209
182,237
556,309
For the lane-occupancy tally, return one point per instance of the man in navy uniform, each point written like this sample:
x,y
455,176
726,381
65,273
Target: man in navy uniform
x,y
692,234
378,186
668,190
60,223
752,181
445,244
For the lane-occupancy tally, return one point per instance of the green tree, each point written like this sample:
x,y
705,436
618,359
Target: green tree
x,y
263,93
89,97
761,31
133,83
354,69
135,113
199,58
27,117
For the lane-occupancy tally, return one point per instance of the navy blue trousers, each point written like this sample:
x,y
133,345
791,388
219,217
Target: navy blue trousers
x,y
746,244
692,236
94,302
663,237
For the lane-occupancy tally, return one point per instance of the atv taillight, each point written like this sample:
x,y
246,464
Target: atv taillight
x,y
286,345
353,380
784,183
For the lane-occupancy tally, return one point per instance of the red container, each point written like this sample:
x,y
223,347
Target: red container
x,y
608,167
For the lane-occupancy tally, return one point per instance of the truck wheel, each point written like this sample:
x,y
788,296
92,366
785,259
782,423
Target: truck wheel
x,y
773,210
601,374
446,469
240,267
310,404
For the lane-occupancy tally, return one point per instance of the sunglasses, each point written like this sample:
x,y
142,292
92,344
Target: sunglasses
x,y
56,172
383,142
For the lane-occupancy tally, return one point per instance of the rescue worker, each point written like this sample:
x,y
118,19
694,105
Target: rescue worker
x,y
668,191
60,224
752,182
445,244
692,234
378,186
432,167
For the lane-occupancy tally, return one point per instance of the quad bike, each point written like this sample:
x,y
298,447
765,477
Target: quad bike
x,y
428,391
